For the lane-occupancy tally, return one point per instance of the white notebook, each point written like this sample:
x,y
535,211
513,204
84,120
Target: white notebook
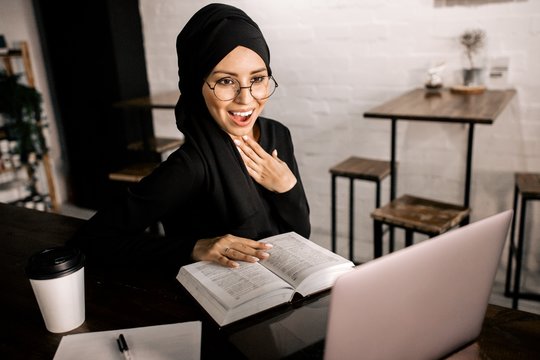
x,y
173,341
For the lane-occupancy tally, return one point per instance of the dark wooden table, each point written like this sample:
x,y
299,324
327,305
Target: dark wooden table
x,y
443,106
116,300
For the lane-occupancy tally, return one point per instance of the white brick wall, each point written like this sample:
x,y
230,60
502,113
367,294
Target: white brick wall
x,y
336,59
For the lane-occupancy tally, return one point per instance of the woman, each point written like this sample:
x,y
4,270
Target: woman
x,y
234,180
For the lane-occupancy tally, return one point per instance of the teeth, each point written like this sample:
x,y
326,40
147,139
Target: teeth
x,y
247,113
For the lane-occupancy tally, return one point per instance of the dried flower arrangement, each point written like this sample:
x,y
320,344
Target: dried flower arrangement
x,y
473,40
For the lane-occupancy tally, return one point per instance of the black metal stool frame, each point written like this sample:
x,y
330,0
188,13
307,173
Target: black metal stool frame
x,y
516,293
351,209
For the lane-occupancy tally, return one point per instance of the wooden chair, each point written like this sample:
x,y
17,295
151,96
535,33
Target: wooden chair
x,y
356,168
526,186
415,214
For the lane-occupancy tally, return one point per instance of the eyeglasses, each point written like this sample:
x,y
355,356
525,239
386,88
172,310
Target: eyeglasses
x,y
262,87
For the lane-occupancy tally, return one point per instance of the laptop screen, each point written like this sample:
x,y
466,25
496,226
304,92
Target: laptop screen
x,y
421,302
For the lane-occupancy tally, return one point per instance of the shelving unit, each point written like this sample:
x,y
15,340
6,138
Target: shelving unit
x,y
29,184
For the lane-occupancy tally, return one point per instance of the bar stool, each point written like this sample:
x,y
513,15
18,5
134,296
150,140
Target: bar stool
x,y
526,186
132,174
356,168
415,214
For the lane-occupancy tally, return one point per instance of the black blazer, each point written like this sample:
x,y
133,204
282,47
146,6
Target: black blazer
x,y
177,195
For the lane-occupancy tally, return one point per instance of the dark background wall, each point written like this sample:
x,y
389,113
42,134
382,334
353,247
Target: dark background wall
x,y
94,58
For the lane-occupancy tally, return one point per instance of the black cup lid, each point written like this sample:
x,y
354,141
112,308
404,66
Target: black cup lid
x,y
54,262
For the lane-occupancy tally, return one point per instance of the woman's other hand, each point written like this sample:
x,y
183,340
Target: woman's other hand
x,y
226,249
267,170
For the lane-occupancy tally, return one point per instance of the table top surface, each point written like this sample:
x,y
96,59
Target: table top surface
x,y
165,100
118,299
444,106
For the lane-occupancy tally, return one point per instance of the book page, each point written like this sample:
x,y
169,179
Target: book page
x,y
231,287
294,258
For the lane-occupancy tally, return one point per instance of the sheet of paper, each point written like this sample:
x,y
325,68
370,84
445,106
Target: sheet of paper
x,y
173,341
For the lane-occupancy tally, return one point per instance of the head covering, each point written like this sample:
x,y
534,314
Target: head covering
x,y
212,33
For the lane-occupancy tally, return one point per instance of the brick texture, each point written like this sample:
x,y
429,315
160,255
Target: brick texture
x,y
336,59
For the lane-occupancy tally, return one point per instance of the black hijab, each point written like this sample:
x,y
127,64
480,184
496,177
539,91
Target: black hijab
x,y
213,32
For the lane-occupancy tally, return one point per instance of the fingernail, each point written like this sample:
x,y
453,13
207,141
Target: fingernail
x,y
265,255
237,142
235,264
268,246
253,258
245,137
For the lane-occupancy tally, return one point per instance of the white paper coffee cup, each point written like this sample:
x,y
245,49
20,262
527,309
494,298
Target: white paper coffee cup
x,y
57,278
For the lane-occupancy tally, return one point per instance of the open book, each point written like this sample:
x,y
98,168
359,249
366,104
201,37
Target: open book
x,y
296,265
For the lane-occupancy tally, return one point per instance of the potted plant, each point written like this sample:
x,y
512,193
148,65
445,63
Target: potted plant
x,y
473,41
20,106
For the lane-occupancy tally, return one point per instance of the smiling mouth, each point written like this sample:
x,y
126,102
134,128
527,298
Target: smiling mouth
x,y
241,117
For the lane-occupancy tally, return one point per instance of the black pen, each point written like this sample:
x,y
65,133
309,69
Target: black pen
x,y
123,346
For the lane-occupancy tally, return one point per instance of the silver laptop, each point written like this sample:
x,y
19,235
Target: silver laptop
x,y
421,302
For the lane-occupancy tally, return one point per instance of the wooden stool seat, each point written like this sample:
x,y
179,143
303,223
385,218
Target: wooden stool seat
x,y
362,168
356,168
415,214
133,173
526,186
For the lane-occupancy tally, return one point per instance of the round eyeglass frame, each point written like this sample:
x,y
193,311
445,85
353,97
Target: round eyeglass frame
x,y
244,87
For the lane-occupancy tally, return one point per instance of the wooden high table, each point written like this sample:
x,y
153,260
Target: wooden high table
x,y
166,100
442,106
116,300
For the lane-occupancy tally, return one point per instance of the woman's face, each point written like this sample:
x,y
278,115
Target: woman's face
x,y
237,116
